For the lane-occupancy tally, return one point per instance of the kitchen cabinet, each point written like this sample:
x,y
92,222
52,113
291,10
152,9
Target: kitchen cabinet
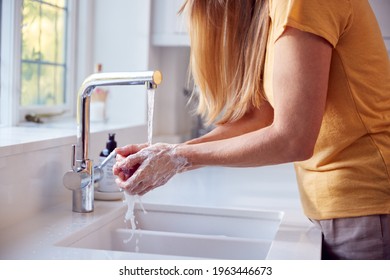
x,y
168,28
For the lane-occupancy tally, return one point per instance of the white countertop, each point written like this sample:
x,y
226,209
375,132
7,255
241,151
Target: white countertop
x,y
268,188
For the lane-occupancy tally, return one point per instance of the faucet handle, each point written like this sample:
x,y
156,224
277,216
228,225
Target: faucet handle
x,y
74,180
73,157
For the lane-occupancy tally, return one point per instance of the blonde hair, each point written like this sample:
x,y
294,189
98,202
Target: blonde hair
x,y
228,45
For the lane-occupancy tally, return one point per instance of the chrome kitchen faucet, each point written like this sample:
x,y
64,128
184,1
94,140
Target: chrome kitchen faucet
x,y
84,174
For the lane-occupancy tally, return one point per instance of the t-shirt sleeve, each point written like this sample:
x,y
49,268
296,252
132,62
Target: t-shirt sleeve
x,y
326,18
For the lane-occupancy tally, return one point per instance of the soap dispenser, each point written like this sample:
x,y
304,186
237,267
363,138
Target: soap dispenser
x,y
107,183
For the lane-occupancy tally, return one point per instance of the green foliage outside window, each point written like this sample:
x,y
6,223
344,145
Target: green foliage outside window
x,y
43,52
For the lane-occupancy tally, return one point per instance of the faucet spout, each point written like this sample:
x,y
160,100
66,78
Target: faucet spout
x,y
81,178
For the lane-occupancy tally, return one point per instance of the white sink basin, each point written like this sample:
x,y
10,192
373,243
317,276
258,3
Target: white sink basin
x,y
184,231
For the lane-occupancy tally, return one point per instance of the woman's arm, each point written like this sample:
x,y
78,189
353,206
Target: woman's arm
x,y
300,83
256,119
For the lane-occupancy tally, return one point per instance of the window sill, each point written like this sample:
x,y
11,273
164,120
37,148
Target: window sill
x,y
29,137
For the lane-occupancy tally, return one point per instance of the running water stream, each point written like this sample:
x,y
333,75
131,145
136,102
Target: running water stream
x,y
131,199
150,114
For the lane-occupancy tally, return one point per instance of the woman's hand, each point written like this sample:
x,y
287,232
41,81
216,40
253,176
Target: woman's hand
x,y
141,168
122,153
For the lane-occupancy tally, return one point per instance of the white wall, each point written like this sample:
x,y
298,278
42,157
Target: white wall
x,y
121,43
173,119
170,53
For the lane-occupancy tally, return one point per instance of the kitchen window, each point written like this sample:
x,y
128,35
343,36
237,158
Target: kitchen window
x,y
36,51
43,53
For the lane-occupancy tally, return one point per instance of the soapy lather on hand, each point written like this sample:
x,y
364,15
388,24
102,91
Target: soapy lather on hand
x,y
141,167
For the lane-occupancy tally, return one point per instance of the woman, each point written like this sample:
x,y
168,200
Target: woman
x,y
304,81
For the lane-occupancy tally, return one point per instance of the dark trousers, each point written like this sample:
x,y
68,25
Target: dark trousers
x,y
356,238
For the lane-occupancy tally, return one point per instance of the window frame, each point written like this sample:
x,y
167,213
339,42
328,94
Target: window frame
x,y
12,113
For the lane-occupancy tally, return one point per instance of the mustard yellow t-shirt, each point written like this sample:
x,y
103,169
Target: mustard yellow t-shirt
x,y
348,174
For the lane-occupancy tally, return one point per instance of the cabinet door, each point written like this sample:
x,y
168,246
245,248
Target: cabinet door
x,y
168,28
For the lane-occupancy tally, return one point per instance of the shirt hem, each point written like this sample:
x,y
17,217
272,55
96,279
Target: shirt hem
x,y
348,213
